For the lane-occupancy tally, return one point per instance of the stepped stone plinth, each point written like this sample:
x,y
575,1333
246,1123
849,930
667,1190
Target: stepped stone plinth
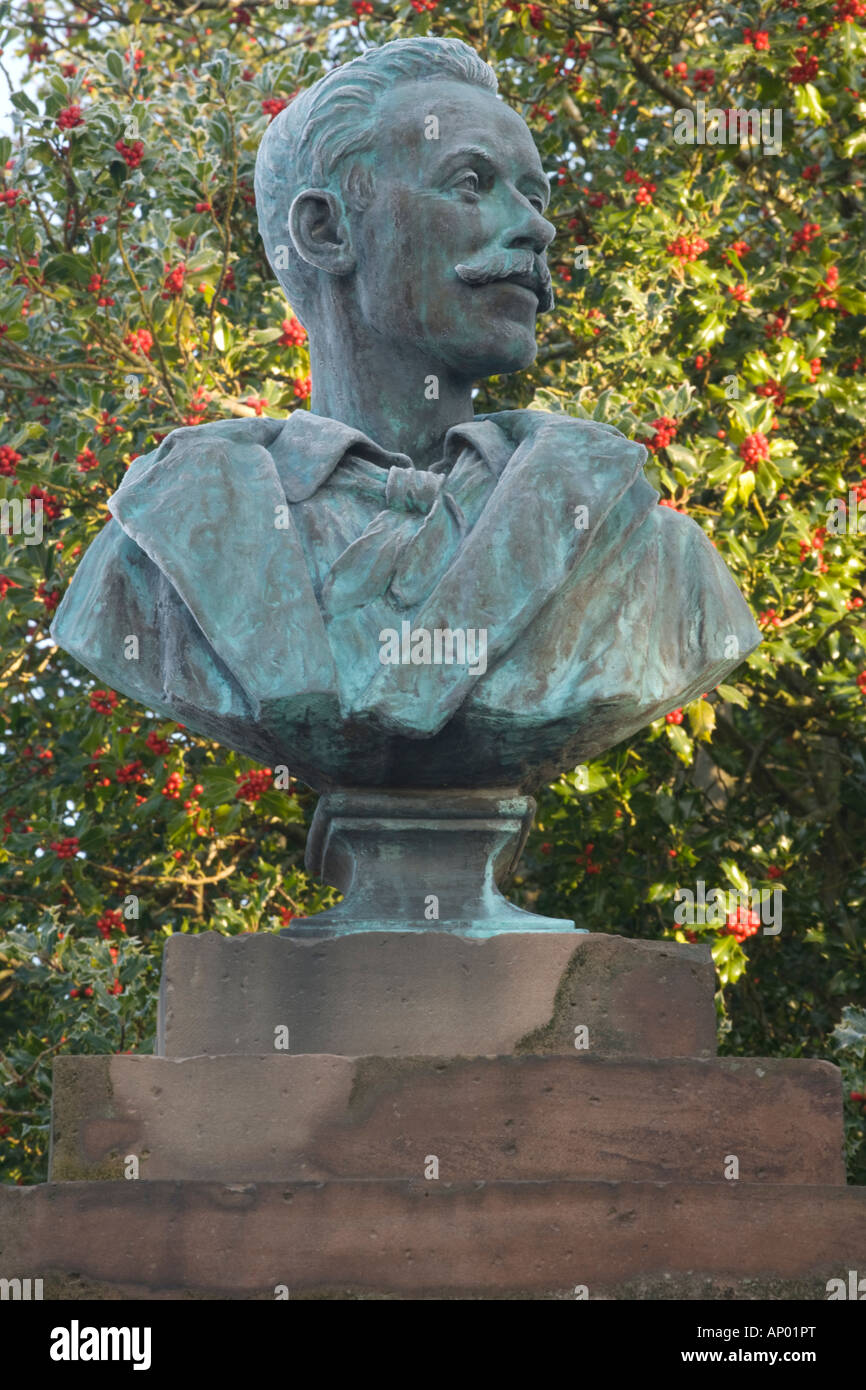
x,y
434,1132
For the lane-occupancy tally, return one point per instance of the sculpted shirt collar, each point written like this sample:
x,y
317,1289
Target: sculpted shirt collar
x,y
309,447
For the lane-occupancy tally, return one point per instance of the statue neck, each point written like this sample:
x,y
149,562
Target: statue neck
x,y
401,400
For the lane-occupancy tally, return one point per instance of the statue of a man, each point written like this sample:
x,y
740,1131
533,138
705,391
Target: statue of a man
x,y
386,590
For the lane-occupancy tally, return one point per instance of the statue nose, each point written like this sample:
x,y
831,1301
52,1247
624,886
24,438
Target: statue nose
x,y
532,232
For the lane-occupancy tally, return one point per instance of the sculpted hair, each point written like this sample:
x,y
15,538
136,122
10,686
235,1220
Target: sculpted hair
x,y
310,143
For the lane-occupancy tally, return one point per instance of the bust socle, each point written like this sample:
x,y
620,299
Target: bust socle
x,y
386,591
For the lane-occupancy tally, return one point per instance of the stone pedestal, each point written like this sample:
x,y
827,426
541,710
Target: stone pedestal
x,y
434,1132
405,994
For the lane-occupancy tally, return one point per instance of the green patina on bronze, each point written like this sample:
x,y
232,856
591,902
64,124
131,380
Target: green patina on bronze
x,y
262,564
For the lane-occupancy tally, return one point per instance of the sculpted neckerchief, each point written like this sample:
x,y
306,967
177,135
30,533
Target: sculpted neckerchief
x,y
409,545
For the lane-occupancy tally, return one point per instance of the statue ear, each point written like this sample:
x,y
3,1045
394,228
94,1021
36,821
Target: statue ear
x,y
319,230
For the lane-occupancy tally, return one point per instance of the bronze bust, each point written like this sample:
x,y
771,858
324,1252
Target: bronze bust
x,y
421,612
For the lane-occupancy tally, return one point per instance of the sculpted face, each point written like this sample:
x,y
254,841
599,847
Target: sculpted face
x,y
472,198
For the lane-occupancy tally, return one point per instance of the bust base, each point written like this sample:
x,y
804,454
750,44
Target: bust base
x,y
427,861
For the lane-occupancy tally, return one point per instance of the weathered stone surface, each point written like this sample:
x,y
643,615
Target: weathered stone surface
x,y
432,1240
423,993
494,1118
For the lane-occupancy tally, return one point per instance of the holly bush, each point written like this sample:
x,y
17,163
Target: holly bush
x,y
709,302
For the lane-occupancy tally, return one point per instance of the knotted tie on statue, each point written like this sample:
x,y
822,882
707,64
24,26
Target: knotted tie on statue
x,y
405,550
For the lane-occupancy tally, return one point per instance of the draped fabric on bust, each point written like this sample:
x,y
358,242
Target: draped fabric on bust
x,y
264,564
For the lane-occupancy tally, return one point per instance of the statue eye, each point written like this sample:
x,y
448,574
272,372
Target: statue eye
x,y
468,182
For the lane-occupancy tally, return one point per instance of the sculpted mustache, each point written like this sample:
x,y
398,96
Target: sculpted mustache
x,y
503,264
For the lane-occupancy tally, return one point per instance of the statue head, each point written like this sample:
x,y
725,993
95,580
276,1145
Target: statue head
x,y
401,205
